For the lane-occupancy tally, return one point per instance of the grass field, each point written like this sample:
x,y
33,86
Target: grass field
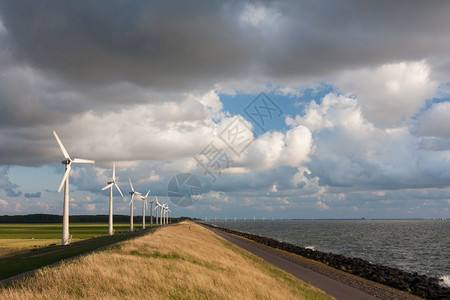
x,y
182,261
15,237
90,237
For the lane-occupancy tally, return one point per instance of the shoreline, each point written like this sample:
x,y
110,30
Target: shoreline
x,y
414,283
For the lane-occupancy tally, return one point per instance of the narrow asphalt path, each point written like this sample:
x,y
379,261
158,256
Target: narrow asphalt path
x,y
332,287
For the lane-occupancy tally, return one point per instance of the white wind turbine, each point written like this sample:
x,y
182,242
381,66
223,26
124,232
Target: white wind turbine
x,y
168,215
151,211
110,185
158,209
144,207
162,214
156,214
65,239
133,193
166,211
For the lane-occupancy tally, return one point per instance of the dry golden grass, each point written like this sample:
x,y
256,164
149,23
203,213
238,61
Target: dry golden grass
x,y
183,261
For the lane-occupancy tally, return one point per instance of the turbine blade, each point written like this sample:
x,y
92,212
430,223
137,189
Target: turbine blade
x,y
107,187
114,171
117,187
66,174
146,195
61,146
83,161
131,185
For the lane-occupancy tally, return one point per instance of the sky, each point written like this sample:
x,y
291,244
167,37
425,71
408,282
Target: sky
x,y
283,109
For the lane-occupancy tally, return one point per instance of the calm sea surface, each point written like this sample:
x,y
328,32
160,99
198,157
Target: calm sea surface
x,y
421,246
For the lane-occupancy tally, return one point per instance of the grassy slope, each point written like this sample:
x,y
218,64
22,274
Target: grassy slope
x,y
183,261
15,237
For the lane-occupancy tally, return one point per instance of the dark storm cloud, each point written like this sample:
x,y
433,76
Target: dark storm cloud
x,y
193,43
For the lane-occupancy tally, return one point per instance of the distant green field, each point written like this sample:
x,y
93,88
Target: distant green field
x,y
15,237
53,231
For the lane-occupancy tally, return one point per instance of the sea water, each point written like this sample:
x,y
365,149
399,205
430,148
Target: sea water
x,y
421,246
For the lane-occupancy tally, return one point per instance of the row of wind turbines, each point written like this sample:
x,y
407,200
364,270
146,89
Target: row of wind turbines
x,y
162,209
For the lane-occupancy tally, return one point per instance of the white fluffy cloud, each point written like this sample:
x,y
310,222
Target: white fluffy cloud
x,y
351,151
390,94
275,149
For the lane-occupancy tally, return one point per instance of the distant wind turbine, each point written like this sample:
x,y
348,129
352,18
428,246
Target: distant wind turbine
x,y
65,239
168,215
159,211
144,207
110,185
151,211
133,193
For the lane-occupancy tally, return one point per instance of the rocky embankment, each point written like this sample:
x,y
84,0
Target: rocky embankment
x,y
420,285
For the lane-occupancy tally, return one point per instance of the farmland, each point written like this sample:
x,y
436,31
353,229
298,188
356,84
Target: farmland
x,y
25,247
17,237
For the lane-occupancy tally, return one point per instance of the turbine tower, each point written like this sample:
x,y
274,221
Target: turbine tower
x,y
168,215
144,207
133,193
67,162
161,215
166,210
110,185
157,213
158,209
151,211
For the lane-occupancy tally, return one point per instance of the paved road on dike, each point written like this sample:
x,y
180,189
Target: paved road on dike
x,y
332,287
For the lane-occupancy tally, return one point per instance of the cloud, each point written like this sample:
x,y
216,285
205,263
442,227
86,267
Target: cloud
x,y
11,189
432,122
350,151
322,205
275,149
389,95
165,130
169,45
3,204
140,83
32,195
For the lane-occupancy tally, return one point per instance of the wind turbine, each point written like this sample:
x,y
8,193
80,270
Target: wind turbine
x,y
144,207
110,185
151,211
162,214
133,193
67,162
159,211
166,213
